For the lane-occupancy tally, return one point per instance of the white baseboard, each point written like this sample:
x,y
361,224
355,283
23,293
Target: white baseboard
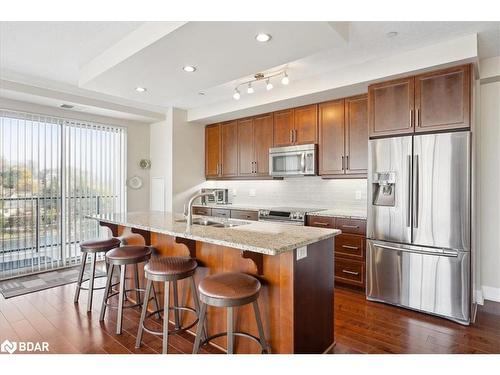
x,y
490,293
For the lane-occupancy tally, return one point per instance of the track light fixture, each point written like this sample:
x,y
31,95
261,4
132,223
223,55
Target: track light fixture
x,y
261,77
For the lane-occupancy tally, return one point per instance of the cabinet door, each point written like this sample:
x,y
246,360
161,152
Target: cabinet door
x,y
245,147
212,150
442,99
263,141
283,127
229,149
391,107
306,124
331,138
356,138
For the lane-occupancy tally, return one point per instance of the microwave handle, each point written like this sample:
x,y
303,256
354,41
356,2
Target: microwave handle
x,y
303,162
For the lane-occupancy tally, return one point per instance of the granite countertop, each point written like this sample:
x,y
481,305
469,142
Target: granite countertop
x,y
330,212
260,237
333,212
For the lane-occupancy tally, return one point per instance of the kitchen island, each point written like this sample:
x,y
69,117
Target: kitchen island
x,y
294,264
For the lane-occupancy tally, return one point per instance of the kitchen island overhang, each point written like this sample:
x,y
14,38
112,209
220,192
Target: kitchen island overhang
x,y
294,264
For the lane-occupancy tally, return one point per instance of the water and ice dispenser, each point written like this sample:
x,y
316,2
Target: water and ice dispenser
x,y
384,188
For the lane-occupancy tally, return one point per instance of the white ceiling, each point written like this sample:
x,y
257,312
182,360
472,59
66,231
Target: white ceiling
x,y
225,54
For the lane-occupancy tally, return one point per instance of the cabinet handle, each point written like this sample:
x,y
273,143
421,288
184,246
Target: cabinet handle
x,y
255,167
295,136
320,223
291,136
342,162
350,247
347,162
411,118
350,226
418,117
351,272
217,169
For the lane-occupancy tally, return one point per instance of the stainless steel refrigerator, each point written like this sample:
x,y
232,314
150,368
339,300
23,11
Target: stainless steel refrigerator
x,y
419,223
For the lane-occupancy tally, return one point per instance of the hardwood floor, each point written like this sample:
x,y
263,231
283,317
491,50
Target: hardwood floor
x,y
360,327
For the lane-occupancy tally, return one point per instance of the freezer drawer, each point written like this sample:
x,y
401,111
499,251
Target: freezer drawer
x,y
436,282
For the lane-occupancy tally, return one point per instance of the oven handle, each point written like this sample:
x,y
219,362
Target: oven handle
x,y
282,221
303,162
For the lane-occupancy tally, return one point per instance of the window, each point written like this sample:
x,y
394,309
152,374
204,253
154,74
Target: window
x,y
53,172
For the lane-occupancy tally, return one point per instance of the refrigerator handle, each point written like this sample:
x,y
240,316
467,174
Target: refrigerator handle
x,y
408,209
416,193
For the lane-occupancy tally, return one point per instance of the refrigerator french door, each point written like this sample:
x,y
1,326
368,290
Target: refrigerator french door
x,y
418,229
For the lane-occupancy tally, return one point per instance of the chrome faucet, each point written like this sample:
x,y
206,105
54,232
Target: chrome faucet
x,y
189,216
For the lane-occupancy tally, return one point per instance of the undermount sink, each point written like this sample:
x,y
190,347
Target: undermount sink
x,y
212,223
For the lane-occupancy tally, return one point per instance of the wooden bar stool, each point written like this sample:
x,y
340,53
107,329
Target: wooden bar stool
x,y
229,290
121,257
168,270
91,248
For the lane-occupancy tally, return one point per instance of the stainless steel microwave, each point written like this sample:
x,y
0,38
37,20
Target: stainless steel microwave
x,y
293,161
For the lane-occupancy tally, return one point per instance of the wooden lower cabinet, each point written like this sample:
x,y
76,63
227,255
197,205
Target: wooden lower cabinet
x,y
205,211
244,215
226,213
350,248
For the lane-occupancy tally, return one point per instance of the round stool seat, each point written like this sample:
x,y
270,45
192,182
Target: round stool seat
x,y
98,245
170,267
229,289
128,255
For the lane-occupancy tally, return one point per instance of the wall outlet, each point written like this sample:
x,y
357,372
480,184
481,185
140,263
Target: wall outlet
x,y
301,252
235,192
358,195
252,193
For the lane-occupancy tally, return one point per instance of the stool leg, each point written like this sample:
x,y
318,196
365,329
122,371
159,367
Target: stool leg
x,y
121,297
176,304
196,301
230,331
157,306
201,321
143,314
91,282
106,291
136,280
262,337
80,277
166,304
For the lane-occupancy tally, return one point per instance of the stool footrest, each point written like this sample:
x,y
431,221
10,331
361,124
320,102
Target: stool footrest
x,y
242,334
177,330
125,306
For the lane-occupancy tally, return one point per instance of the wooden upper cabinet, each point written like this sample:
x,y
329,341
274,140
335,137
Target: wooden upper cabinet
x,y
443,100
391,107
356,137
263,141
229,149
331,138
212,150
305,121
246,155
283,128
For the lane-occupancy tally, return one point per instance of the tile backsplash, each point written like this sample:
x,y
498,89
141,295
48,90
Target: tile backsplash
x,y
349,194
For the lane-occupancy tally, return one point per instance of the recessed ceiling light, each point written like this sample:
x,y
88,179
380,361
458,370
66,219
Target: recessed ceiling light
x,y
201,93
391,34
189,68
141,89
67,106
263,37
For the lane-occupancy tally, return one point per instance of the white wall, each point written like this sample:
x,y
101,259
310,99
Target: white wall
x,y
137,144
488,184
177,156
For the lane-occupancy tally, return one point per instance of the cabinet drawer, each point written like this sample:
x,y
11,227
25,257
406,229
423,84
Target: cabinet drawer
x,y
244,215
350,246
205,211
350,271
321,221
220,212
354,226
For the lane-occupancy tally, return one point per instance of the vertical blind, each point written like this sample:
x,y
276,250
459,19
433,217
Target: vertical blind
x,y
53,172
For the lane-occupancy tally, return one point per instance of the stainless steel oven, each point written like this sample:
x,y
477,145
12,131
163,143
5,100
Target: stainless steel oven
x,y
293,160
